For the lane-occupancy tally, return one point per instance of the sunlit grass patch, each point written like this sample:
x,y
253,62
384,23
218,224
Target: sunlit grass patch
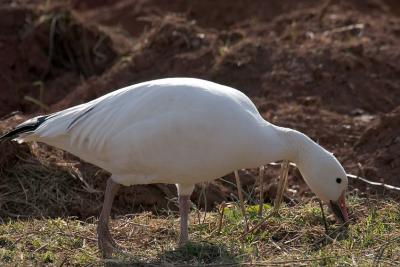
x,y
47,241
294,237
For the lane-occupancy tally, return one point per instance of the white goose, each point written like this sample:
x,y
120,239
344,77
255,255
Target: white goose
x,y
180,131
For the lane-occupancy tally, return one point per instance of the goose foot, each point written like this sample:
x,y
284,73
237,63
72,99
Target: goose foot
x,y
183,241
106,243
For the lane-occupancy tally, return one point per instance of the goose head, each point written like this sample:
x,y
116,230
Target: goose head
x,y
327,179
323,173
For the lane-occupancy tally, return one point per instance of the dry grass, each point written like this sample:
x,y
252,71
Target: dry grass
x,y
296,237
45,181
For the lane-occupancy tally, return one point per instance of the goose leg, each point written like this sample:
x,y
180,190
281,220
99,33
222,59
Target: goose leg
x,y
184,192
184,202
106,243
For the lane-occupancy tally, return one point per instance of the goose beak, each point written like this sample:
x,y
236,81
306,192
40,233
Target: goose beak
x,y
339,209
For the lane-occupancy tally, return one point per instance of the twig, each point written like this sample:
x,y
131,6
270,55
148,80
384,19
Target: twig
x,y
240,194
282,184
293,239
76,173
270,263
261,177
221,216
40,248
358,26
37,102
12,114
324,10
323,217
233,184
198,204
53,25
300,260
353,260
86,53
334,232
64,260
373,183
272,213
40,85
391,187
198,216
279,195
96,47
381,250
74,235
205,201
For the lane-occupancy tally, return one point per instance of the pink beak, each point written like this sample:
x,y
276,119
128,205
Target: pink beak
x,y
339,209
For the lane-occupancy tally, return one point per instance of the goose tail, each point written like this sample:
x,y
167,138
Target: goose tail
x,y
23,130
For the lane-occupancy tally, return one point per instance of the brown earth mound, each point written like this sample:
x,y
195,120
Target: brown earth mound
x,y
379,149
327,53
45,54
328,69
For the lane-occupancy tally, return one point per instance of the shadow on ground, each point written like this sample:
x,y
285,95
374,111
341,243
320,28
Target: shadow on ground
x,y
194,253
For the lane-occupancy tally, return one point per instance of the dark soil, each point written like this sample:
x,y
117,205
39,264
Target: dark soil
x,y
330,69
45,54
381,157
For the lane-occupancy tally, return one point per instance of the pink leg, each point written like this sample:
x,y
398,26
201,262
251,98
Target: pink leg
x,y
184,202
105,241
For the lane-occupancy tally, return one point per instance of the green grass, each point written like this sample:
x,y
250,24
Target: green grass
x,y
295,237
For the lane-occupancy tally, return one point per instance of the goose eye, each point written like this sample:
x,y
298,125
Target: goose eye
x,y
338,180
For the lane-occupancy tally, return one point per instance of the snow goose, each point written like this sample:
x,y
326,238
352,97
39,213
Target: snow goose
x,y
180,131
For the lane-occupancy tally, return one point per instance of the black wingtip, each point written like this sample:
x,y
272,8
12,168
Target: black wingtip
x,y
25,127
